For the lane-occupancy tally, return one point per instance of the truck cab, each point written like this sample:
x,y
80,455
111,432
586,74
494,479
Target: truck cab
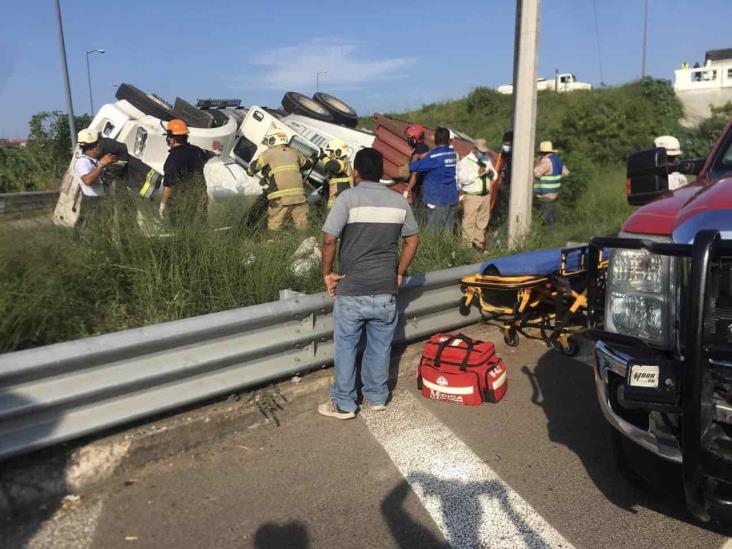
x,y
661,316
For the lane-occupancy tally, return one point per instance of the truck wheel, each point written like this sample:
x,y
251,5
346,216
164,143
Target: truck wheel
x,y
342,113
640,467
297,103
144,102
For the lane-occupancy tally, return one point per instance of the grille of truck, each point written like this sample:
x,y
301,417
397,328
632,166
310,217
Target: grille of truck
x,y
718,314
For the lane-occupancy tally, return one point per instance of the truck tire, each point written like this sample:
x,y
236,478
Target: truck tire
x,y
144,102
640,467
342,113
297,103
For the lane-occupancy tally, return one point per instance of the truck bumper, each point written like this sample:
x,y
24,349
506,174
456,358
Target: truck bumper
x,y
608,362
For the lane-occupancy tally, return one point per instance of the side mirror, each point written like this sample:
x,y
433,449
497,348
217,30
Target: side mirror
x,y
647,176
692,166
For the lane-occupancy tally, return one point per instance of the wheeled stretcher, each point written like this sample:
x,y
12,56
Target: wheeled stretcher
x,y
539,295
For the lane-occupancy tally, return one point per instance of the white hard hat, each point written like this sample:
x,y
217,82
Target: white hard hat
x,y
277,137
87,137
670,143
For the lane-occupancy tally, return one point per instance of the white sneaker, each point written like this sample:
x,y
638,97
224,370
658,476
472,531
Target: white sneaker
x,y
330,409
375,407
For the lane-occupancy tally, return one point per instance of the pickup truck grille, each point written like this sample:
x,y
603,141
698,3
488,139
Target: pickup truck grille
x,y
718,314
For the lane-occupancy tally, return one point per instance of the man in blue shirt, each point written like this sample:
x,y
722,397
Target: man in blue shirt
x,y
439,182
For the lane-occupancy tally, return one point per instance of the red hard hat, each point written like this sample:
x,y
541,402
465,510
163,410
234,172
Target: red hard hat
x,y
416,131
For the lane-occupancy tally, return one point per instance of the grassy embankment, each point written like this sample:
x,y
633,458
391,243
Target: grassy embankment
x,y
57,285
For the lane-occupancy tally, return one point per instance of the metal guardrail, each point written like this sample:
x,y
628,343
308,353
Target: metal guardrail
x,y
11,203
59,392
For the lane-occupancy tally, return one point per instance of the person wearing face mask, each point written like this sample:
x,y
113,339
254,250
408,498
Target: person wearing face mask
x,y
184,189
475,175
499,186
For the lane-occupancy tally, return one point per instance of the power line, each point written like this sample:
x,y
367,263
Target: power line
x,y
597,36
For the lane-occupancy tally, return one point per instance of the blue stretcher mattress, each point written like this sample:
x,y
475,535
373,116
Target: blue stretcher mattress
x,y
536,263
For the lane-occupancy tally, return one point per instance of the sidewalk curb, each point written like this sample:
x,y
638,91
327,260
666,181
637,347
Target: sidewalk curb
x,y
43,478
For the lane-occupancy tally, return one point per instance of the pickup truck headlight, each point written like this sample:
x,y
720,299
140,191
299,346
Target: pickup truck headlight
x,y
640,294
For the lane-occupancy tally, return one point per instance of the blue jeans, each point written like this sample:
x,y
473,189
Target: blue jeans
x,y
351,314
440,218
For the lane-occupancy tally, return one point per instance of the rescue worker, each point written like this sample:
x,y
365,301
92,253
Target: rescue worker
x,y
281,166
474,176
499,186
673,151
439,186
548,171
414,134
340,176
89,168
185,198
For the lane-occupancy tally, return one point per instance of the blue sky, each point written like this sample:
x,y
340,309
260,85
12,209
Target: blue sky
x,y
380,55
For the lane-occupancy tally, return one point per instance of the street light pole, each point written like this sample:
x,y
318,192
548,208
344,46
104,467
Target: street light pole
x,y
88,76
65,70
645,37
525,60
317,79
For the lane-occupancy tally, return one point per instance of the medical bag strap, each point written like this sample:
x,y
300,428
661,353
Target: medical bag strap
x,y
441,348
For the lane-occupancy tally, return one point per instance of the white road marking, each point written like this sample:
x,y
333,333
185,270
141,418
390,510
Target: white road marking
x,y
468,501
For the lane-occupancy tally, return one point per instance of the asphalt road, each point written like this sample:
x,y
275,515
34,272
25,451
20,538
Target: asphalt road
x,y
534,470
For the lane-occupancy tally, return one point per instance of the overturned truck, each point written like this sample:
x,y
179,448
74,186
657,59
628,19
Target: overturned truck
x,y
133,128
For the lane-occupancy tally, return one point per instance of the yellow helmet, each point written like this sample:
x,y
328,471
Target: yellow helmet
x,y
274,138
338,148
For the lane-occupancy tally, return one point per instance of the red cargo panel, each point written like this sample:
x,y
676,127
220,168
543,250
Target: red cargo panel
x,y
390,142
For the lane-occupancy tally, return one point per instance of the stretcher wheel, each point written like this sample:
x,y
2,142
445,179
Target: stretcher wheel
x,y
511,338
464,308
571,349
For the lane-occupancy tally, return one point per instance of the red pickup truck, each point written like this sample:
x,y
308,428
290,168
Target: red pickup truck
x,y
661,316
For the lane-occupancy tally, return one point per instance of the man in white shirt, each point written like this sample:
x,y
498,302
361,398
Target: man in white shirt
x,y
474,175
89,167
673,151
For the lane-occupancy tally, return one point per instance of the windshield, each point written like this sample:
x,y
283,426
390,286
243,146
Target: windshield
x,y
305,147
244,149
723,162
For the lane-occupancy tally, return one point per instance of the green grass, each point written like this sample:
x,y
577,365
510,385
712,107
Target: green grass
x,y
59,284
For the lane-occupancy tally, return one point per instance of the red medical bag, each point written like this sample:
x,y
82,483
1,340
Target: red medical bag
x,y
459,369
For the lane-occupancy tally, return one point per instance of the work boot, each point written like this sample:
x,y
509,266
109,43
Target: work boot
x,y
331,409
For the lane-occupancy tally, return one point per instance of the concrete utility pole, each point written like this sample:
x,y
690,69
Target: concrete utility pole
x,y
65,69
645,37
525,62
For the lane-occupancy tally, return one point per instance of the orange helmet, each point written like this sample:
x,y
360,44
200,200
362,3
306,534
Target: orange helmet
x,y
177,127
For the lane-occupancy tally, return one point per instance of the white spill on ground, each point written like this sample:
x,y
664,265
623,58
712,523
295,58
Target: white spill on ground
x,y
468,501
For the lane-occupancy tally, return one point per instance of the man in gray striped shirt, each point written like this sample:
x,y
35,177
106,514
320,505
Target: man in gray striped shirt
x,y
369,220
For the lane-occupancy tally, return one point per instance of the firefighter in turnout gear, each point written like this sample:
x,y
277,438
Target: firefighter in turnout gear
x,y
281,166
340,176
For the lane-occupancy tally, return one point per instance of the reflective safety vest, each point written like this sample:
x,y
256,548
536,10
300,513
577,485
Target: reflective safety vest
x,y
547,184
